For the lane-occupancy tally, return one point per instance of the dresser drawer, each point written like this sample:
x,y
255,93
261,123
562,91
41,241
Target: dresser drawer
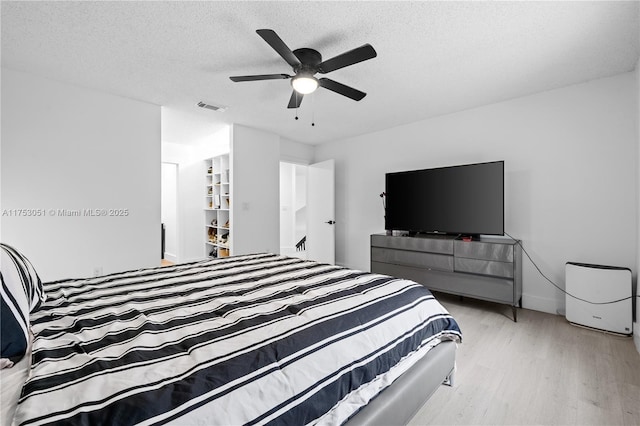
x,y
418,259
484,267
484,251
433,245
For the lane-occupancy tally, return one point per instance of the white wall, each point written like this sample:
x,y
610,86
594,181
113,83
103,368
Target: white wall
x,y
255,213
570,176
69,148
287,208
296,152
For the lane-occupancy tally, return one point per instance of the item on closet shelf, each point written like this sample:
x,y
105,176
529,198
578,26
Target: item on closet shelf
x,y
213,253
228,202
224,238
224,252
212,235
210,191
210,171
214,222
226,225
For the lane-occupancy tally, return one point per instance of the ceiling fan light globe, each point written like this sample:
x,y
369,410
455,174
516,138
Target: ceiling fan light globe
x,y
304,84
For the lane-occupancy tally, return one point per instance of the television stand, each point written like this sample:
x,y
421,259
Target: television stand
x,y
486,268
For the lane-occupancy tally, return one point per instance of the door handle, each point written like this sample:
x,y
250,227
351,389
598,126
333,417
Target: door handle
x,y
330,222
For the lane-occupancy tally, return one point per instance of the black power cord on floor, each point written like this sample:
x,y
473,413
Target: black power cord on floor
x,y
561,289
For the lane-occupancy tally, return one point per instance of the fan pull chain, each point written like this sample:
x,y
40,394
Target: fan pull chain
x,y
313,109
297,104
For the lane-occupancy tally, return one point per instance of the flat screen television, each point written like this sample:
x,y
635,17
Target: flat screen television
x,y
466,200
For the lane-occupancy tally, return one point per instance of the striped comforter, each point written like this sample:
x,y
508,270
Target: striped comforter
x,y
256,339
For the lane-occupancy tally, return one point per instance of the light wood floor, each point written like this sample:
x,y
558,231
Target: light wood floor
x,y
541,370
164,262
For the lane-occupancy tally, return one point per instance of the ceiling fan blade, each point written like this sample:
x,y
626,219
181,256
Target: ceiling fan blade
x,y
295,100
351,57
260,77
279,46
340,88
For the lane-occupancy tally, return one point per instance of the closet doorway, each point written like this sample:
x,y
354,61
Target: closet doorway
x,y
293,209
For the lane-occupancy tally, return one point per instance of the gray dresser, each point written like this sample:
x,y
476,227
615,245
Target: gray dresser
x,y
488,269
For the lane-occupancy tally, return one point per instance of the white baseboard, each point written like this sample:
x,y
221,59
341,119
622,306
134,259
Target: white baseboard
x,y
193,259
287,250
542,304
170,257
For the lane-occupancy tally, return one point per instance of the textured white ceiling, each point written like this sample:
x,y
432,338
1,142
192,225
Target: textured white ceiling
x,y
433,58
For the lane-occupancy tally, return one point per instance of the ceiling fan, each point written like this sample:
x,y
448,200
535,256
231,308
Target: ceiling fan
x,y
306,63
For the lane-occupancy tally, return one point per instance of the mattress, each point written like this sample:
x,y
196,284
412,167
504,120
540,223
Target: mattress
x,y
255,339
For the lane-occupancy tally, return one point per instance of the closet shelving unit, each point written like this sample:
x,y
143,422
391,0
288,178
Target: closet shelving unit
x,y
217,207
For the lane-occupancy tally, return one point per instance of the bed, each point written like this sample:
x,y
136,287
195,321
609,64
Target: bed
x,y
252,339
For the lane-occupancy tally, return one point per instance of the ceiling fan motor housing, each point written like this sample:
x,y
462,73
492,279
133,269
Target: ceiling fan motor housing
x,y
309,60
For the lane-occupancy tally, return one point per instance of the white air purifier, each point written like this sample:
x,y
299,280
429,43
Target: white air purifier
x,y
599,284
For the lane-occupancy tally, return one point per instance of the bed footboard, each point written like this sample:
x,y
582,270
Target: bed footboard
x,y
397,404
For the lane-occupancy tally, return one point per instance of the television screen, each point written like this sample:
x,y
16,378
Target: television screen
x,y
466,199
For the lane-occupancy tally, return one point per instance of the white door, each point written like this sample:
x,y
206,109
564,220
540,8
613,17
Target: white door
x,y
321,212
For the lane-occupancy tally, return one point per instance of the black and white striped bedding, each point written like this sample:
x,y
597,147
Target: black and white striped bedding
x,y
21,293
256,339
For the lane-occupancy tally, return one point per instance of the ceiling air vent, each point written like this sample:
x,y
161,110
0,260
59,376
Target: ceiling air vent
x,y
212,107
